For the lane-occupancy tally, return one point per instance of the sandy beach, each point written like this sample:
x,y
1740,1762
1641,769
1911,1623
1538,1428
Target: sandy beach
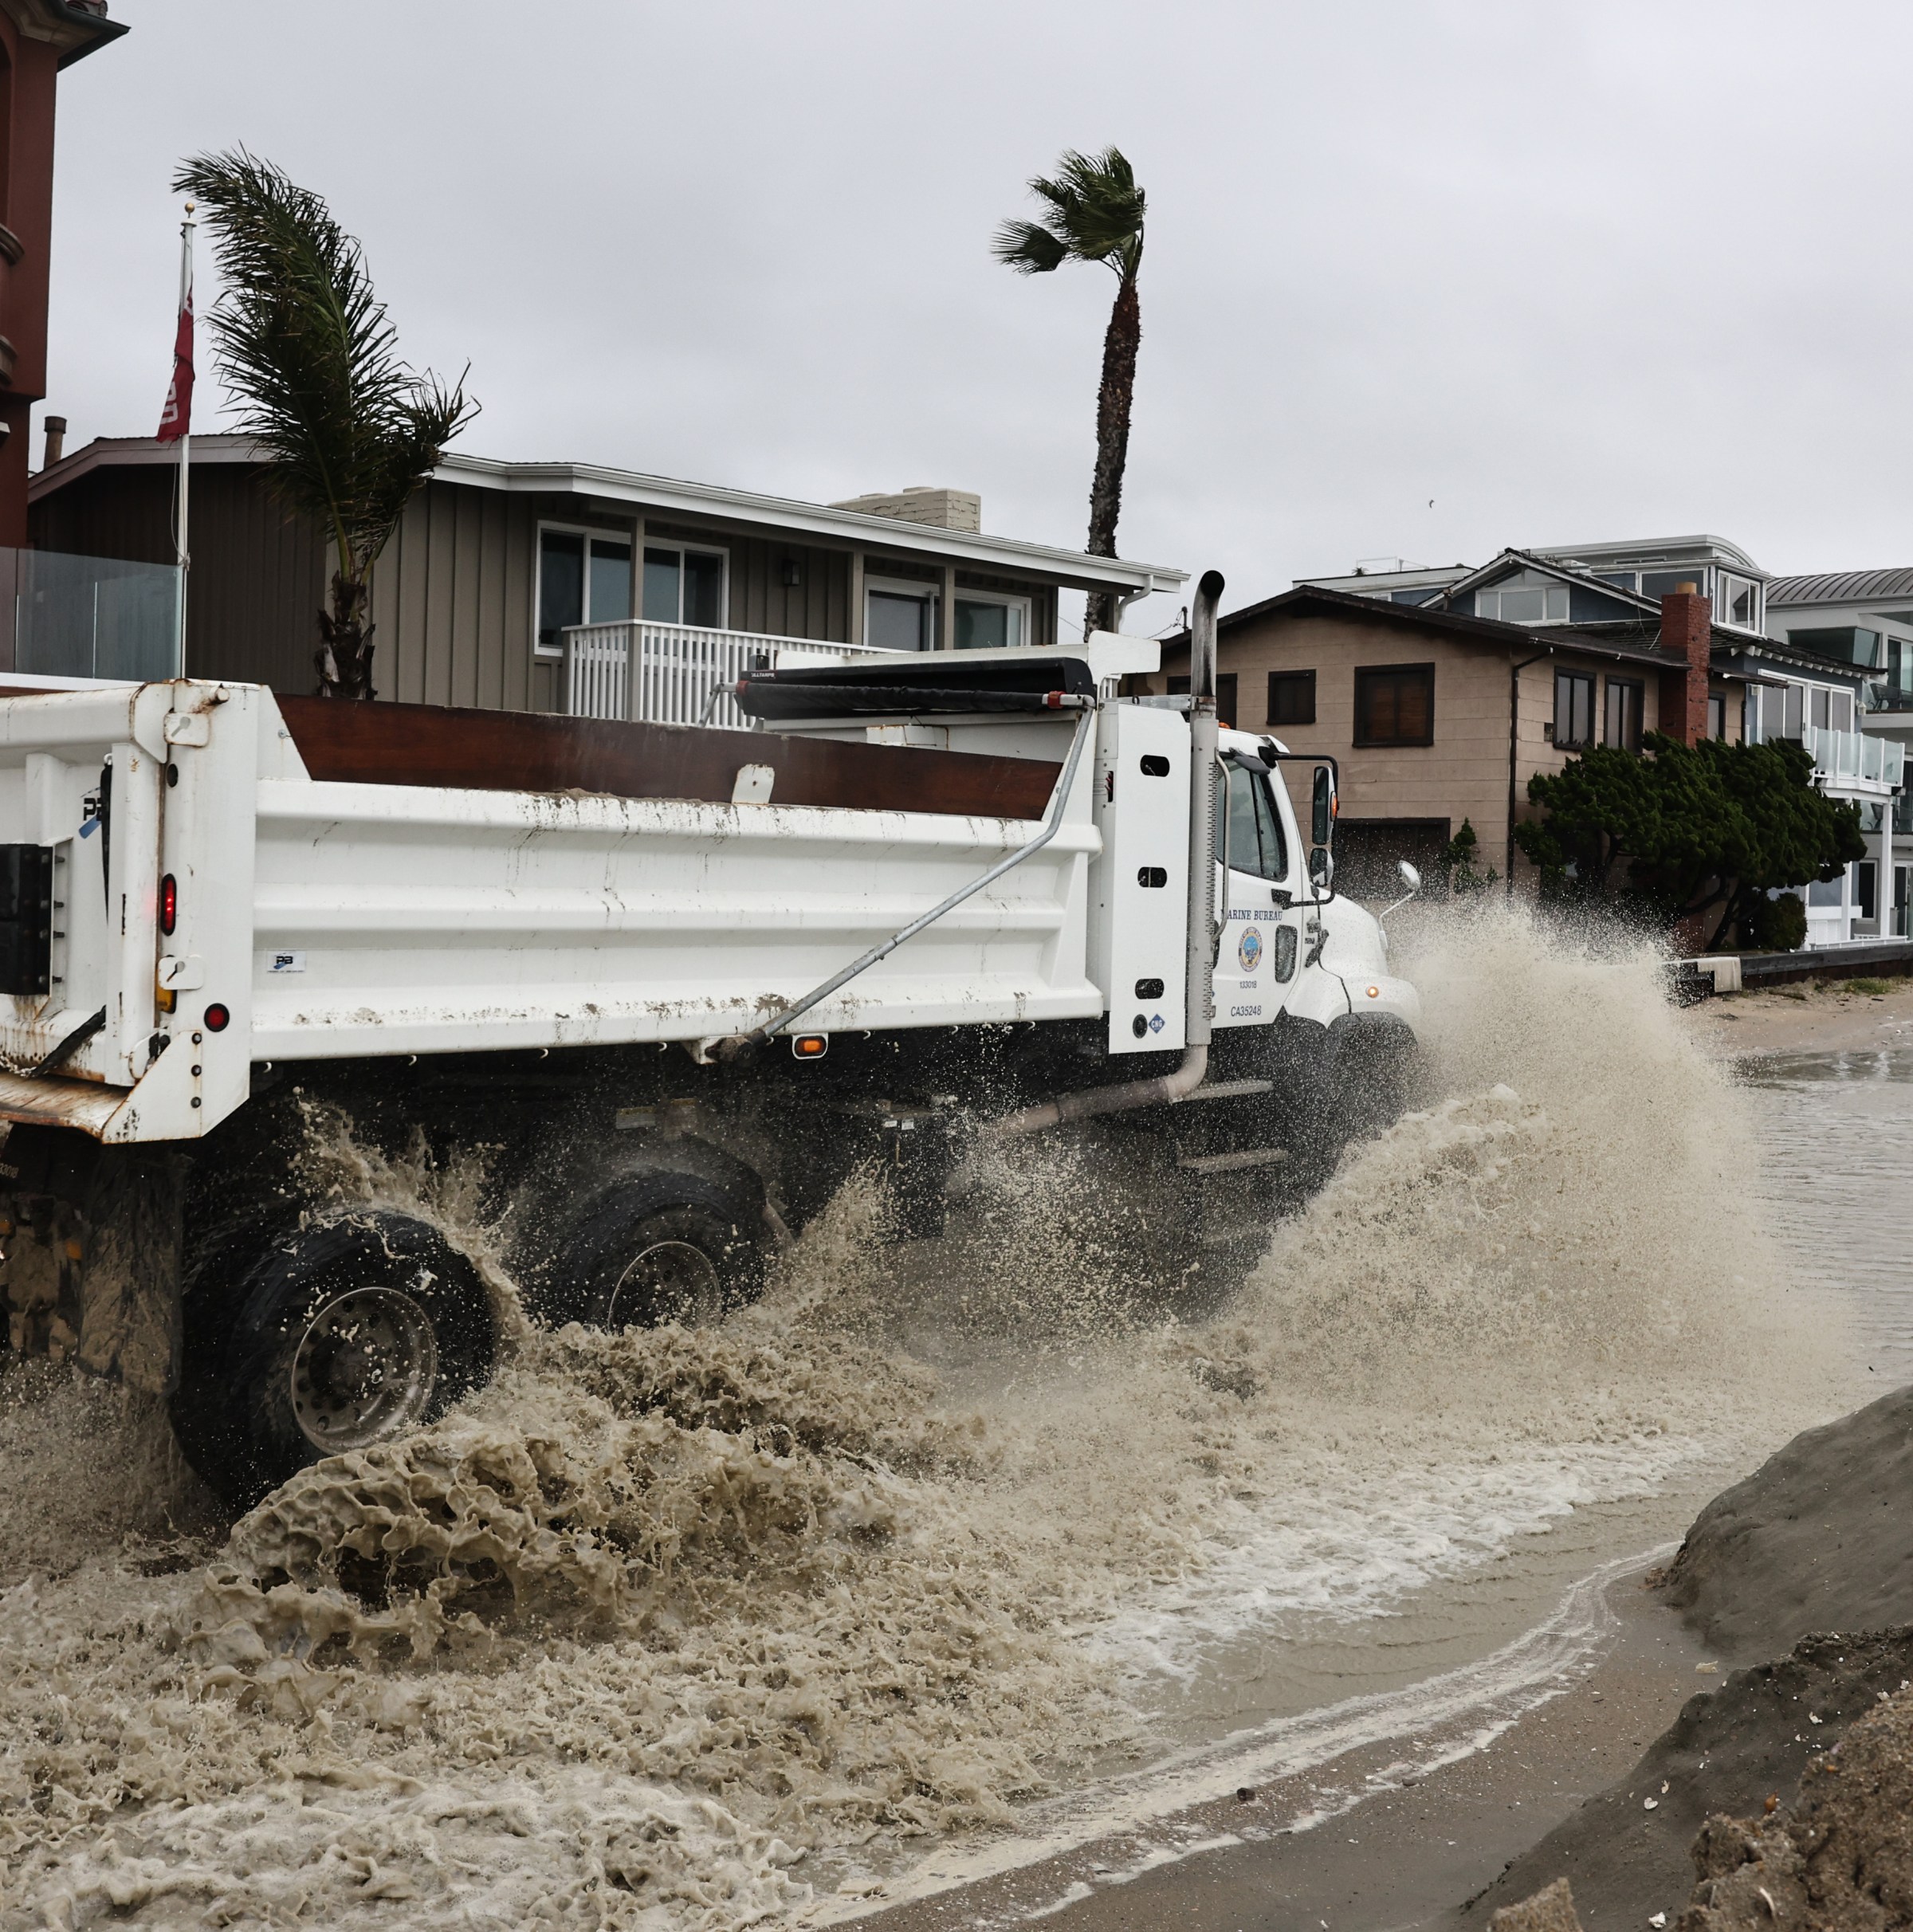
x,y
1819,1016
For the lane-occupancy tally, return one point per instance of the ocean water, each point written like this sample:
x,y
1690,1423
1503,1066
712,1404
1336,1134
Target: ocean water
x,y
730,1628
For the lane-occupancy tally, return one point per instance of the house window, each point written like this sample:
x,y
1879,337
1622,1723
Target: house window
x,y
1793,717
1574,709
1622,725
1739,603
1663,583
1530,604
986,621
684,586
1395,705
1864,877
1291,697
1717,715
581,580
900,616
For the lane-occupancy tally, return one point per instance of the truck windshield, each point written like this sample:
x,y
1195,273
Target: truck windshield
x,y
1256,845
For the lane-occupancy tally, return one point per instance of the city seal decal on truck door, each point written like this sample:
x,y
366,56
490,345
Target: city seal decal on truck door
x,y
1249,950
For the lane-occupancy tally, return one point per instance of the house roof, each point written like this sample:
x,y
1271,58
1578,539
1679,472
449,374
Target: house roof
x,y
1644,552
1307,600
672,496
1838,587
1553,567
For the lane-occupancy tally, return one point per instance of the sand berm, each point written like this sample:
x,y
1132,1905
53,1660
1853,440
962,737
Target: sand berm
x,y
1784,1798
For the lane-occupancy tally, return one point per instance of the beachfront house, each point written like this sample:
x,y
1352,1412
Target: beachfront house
x,y
570,586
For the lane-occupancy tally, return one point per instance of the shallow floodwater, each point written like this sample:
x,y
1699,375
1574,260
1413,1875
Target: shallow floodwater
x,y
1835,1137
672,1630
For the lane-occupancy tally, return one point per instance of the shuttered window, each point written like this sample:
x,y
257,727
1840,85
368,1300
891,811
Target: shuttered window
x,y
1395,705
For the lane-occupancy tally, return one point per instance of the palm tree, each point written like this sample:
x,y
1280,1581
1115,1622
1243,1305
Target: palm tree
x,y
1094,213
307,350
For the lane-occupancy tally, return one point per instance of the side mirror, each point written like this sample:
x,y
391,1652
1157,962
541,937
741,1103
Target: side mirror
x,y
1322,866
1322,818
1409,875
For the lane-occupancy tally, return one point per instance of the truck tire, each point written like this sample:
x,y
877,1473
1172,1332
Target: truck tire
x,y
656,1246
351,1331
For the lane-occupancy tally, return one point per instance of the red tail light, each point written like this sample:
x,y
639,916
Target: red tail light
x,y
169,903
218,1018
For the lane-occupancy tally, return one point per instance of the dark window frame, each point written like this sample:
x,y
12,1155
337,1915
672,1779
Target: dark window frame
x,y
1229,687
1629,740
1294,682
1565,678
1368,676
1717,698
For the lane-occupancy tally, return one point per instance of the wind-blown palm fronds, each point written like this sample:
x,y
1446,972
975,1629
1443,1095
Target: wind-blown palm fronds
x,y
306,348
1095,213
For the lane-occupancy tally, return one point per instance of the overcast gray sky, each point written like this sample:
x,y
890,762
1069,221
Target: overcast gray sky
x,y
1422,279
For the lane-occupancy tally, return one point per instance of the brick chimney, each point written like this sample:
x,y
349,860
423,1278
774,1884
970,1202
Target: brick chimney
x,y
1686,626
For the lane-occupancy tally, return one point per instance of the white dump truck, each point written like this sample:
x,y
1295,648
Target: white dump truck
x,y
669,986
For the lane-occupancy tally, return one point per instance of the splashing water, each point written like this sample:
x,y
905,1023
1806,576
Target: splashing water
x,y
658,1628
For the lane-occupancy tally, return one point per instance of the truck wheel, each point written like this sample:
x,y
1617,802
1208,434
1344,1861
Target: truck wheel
x,y
353,1331
655,1247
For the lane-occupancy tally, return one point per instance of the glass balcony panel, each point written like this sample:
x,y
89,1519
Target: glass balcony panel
x,y
88,617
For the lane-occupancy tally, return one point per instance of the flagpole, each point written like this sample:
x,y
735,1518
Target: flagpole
x,y
186,440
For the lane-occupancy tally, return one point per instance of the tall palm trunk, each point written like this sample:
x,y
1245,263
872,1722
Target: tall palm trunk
x,y
344,658
1120,341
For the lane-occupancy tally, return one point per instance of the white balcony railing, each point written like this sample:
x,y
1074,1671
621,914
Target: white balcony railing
x,y
1855,757
685,675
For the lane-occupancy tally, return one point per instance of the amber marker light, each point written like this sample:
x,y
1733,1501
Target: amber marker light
x,y
809,1045
1374,992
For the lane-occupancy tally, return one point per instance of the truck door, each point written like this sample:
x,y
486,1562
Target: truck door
x,y
1260,950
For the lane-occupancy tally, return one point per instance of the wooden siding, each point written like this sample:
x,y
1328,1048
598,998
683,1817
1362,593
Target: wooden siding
x,y
452,600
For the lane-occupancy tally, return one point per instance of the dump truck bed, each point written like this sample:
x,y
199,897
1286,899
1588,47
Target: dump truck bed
x,y
265,879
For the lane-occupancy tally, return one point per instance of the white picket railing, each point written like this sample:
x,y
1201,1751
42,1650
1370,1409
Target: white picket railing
x,y
1855,757
685,675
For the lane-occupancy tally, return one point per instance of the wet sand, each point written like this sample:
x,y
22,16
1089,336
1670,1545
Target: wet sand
x,y
1818,1017
1404,1857
1419,1842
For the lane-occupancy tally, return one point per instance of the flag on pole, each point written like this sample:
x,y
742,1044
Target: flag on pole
x,y
176,417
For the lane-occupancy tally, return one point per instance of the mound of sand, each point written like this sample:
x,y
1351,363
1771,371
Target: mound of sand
x,y
1728,1751
1839,1859
1840,1856
1820,1538
1818,1541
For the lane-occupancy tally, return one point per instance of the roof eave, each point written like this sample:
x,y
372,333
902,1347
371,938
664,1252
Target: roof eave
x,y
1069,567
750,506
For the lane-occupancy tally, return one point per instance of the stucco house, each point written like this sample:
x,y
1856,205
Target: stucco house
x,y
1437,717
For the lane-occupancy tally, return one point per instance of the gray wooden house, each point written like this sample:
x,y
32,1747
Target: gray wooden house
x,y
564,587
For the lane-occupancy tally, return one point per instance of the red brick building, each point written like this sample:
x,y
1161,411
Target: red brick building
x,y
37,39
